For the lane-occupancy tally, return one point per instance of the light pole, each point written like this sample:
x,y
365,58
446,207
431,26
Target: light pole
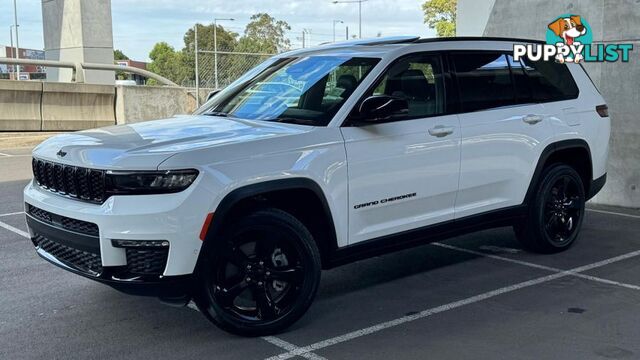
x,y
215,48
359,12
15,23
11,37
334,28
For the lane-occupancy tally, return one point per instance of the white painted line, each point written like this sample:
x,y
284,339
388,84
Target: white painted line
x,y
191,305
615,213
13,213
537,266
15,230
290,347
450,306
3,154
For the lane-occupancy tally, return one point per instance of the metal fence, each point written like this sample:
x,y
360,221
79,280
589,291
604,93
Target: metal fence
x,y
217,70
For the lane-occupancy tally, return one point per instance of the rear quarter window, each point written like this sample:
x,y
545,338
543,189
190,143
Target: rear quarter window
x,y
550,81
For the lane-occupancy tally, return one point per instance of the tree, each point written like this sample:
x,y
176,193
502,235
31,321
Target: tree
x,y
265,34
441,16
119,55
227,41
167,62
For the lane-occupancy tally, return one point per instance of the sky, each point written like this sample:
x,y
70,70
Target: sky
x,y
139,24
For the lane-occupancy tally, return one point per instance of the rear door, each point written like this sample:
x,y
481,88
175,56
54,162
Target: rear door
x,y
503,131
403,174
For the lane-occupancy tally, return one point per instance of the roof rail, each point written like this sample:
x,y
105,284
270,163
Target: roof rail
x,y
477,38
374,41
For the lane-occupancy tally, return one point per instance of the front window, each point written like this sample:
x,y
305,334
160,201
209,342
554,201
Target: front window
x,y
306,90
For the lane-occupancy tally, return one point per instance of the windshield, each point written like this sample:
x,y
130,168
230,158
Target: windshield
x,y
306,90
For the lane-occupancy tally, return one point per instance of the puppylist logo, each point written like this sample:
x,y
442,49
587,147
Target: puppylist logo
x,y
569,39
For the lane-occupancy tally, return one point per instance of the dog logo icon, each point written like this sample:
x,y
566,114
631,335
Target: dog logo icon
x,y
569,39
568,28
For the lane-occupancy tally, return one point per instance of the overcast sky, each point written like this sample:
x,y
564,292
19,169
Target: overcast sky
x,y
139,24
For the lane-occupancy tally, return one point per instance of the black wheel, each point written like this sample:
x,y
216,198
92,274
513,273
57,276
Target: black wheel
x,y
261,276
555,213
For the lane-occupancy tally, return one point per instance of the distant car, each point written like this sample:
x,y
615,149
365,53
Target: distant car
x,y
379,145
126,82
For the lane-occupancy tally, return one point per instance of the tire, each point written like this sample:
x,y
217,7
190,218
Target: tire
x,y
261,276
555,212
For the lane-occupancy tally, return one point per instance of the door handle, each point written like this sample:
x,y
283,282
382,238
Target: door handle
x,y
440,131
532,119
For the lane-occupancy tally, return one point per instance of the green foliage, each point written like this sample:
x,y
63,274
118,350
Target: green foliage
x,y
119,55
265,34
167,62
441,16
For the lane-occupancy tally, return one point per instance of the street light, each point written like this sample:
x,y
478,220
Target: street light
x,y
334,28
15,23
359,12
215,48
11,37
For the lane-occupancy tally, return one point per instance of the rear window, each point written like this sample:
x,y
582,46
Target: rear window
x,y
484,80
550,81
492,79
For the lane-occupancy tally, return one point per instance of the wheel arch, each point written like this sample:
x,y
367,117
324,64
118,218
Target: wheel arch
x,y
573,152
285,194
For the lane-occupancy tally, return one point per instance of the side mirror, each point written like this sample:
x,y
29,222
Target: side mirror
x,y
378,108
212,94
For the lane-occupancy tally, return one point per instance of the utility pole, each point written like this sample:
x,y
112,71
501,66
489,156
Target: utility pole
x,y
304,37
359,12
12,50
215,49
15,23
195,49
334,28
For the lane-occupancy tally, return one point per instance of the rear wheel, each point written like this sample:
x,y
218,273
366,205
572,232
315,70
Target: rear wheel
x,y
261,276
555,213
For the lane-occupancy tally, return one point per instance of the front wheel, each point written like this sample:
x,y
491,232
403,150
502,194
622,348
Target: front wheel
x,y
555,213
261,276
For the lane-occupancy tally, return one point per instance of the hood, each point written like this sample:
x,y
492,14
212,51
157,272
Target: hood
x,y
143,146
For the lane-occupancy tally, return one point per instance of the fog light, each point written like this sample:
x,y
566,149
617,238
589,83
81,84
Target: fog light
x,y
140,244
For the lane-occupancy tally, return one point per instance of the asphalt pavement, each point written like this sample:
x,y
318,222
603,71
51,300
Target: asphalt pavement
x,y
478,296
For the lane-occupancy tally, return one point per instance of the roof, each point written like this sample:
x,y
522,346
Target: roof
x,y
383,45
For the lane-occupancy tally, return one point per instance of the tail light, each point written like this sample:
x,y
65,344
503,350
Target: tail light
x,y
602,110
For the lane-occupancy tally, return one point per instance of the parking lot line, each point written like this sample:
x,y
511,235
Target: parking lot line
x,y
290,347
15,230
13,213
537,266
446,307
615,213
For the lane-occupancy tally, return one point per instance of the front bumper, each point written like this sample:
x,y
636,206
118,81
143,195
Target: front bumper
x,y
79,253
174,218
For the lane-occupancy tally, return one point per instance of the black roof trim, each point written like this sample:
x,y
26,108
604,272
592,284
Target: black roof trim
x,y
477,38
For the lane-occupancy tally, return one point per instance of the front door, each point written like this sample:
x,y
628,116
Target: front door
x,y
403,174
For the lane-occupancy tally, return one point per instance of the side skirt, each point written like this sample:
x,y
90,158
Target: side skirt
x,y
425,235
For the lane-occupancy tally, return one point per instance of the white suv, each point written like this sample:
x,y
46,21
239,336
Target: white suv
x,y
316,158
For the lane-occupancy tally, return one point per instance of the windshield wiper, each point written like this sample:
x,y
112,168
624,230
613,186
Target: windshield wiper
x,y
290,120
216,113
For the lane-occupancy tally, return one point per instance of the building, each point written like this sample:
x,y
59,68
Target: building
x,y
140,80
27,72
613,22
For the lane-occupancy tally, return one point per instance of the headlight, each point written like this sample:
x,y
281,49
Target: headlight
x,y
149,182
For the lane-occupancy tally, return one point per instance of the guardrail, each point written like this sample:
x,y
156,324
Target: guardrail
x,y
78,68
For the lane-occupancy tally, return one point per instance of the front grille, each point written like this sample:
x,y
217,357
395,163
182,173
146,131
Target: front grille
x,y
79,226
78,182
146,261
82,260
